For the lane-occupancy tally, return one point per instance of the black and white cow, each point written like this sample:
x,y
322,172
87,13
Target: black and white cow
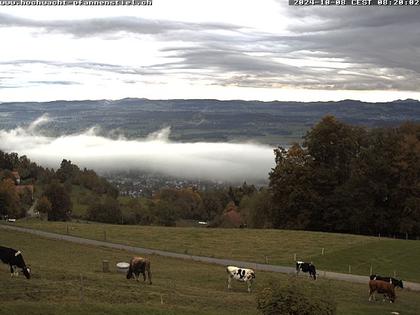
x,y
306,267
240,274
14,259
395,282
139,265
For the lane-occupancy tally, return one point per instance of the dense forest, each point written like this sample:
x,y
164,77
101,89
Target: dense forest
x,y
348,179
340,178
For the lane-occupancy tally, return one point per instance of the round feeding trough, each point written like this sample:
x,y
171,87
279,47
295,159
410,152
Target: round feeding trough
x,y
122,267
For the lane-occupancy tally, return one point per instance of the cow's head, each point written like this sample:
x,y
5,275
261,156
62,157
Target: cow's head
x,y
129,273
398,283
251,275
27,272
20,263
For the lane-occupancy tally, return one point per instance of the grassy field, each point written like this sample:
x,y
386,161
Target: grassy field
x,y
179,287
386,256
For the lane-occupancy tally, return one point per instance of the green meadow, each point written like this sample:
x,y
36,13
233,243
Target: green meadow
x,y
179,286
328,251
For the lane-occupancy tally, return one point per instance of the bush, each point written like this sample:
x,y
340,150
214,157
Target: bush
x,y
107,211
295,297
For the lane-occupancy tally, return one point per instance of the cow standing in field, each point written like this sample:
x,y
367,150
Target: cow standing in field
x,y
306,267
14,259
139,265
240,274
395,282
383,287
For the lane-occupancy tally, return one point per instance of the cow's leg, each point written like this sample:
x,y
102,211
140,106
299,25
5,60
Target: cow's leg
x,y
371,295
13,271
149,274
229,281
249,286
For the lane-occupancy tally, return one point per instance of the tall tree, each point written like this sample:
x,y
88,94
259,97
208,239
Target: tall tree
x,y
9,199
61,206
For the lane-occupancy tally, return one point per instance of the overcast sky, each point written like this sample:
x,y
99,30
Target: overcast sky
x,y
223,49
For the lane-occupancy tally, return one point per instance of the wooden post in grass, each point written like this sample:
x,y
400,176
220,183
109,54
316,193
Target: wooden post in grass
x,y
81,295
105,265
349,268
294,257
266,260
322,252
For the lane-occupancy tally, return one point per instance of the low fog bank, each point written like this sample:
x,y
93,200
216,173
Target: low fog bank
x,y
228,162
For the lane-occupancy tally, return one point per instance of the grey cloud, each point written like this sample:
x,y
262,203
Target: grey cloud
x,y
97,26
54,82
106,67
224,60
381,44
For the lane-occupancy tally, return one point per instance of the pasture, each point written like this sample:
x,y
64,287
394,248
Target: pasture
x,y
179,287
386,255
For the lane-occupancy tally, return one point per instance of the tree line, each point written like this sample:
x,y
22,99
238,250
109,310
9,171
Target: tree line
x,y
340,178
345,178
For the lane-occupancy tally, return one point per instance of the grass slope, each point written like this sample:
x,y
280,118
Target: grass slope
x,y
273,246
185,287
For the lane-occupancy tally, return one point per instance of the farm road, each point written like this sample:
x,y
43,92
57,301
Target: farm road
x,y
218,261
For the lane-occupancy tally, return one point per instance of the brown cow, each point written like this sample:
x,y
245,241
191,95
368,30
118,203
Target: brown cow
x,y
383,287
139,265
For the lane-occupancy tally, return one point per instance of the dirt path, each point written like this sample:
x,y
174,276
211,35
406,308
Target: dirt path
x,y
218,261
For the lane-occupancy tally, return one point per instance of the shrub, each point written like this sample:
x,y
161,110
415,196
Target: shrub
x,y
295,297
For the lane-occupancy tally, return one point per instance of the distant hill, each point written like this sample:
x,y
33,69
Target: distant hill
x,y
205,120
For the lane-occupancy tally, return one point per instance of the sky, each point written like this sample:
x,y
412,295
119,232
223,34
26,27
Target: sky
x,y
236,49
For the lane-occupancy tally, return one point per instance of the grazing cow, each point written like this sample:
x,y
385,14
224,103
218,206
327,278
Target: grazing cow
x,y
15,260
240,274
383,287
139,265
306,267
395,282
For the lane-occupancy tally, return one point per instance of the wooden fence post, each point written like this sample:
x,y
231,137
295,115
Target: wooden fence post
x,y
105,265
81,293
